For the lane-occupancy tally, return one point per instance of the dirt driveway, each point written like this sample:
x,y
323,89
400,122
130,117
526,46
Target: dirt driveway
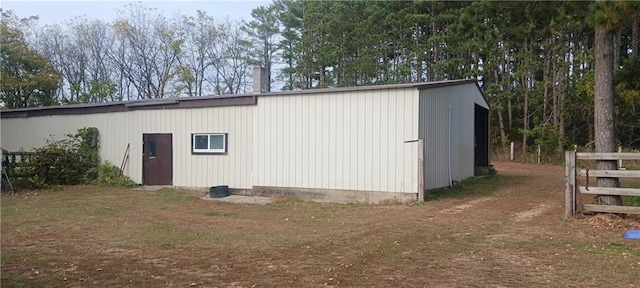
x,y
515,236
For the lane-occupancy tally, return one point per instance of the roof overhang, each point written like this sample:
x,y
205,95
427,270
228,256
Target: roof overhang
x,y
211,101
124,106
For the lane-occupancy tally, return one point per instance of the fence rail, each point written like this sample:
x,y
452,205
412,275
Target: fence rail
x,y
11,158
9,161
572,189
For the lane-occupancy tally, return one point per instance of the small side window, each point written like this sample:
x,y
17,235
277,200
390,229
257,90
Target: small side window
x,y
209,143
152,147
216,142
200,142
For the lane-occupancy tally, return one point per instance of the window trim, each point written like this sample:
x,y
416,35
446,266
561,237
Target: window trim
x,y
225,143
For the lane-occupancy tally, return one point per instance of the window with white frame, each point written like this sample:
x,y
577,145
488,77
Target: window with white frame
x,y
209,143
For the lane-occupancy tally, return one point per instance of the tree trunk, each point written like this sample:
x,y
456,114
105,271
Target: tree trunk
x,y
505,69
434,33
604,111
562,75
546,82
503,136
617,42
590,128
525,120
525,104
634,34
561,124
556,116
418,58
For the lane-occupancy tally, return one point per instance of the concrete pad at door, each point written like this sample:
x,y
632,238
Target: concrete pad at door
x,y
241,199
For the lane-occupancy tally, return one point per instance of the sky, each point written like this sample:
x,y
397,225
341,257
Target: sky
x,y
57,12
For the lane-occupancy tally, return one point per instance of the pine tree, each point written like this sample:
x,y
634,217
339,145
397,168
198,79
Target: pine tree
x,y
606,20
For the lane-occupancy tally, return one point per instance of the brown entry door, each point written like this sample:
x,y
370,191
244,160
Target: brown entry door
x,y
157,160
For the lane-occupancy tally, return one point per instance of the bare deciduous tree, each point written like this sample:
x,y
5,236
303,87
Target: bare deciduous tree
x,y
230,59
199,34
148,50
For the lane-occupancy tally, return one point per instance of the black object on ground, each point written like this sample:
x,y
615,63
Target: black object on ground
x,y
219,191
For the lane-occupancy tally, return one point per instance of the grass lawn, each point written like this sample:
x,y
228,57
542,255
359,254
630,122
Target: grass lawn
x,y
494,235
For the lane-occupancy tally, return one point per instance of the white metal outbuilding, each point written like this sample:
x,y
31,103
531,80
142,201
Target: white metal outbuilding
x,y
340,144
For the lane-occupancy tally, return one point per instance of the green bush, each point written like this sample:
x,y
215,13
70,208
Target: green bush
x,y
69,161
108,174
631,201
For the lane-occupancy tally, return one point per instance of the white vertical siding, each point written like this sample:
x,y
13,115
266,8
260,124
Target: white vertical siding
x,y
352,140
115,132
119,129
232,168
434,125
348,140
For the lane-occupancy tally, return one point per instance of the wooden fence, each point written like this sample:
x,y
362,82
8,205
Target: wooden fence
x,y
575,191
10,159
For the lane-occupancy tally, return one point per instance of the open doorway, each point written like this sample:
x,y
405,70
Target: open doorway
x,y
481,140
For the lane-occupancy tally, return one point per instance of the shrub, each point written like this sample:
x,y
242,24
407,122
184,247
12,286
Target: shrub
x,y
108,174
69,161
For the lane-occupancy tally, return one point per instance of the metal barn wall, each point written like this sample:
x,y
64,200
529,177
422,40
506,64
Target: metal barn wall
x,y
232,168
433,128
119,129
352,140
116,130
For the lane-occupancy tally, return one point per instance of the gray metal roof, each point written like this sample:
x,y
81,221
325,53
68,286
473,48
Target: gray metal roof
x,y
206,101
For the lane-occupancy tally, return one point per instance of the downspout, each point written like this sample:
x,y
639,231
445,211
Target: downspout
x,y
449,149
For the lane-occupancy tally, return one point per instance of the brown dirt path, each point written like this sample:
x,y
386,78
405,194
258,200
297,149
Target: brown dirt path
x,y
517,237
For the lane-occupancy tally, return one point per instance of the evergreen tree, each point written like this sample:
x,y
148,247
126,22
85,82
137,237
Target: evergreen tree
x,y
263,30
607,17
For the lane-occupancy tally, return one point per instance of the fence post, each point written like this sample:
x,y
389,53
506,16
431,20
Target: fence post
x,y
620,160
538,154
570,195
512,155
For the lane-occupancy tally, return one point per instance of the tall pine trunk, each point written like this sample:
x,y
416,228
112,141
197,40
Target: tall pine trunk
x,y
634,34
617,42
546,82
503,135
525,104
434,59
506,69
604,111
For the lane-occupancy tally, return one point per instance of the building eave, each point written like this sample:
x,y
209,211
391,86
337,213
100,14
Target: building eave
x,y
208,101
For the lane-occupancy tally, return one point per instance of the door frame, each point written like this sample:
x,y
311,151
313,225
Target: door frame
x,y
144,156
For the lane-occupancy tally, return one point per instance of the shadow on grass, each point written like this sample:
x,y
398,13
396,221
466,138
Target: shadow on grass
x,y
476,186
